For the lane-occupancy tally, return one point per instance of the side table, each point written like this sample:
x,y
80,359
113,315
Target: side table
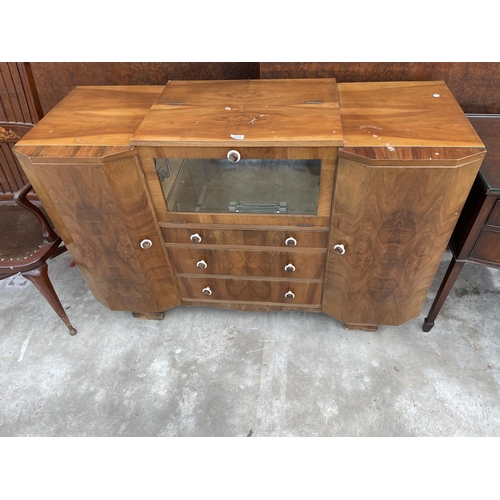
x,y
476,238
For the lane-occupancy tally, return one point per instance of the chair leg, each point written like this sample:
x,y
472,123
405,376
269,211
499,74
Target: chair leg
x,y
40,278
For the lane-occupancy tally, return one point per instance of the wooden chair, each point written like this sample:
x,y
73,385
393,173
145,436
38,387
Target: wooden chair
x,y
27,241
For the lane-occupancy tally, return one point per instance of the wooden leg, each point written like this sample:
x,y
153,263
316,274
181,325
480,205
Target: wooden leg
x,y
153,315
40,278
448,281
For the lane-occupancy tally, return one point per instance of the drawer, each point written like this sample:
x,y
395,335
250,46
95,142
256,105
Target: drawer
x,y
246,152
248,263
487,247
253,290
246,237
494,218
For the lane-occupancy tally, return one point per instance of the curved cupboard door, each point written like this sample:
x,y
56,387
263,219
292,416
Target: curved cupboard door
x,y
392,216
99,203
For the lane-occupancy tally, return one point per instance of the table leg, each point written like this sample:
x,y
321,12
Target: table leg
x,y
448,281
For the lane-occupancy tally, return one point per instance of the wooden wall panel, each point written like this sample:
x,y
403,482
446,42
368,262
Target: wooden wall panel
x,y
18,100
19,111
475,85
55,80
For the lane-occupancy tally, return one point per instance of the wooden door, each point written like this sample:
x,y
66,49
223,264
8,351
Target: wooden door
x,y
394,217
102,210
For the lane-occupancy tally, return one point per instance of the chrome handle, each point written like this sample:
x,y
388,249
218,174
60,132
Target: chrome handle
x,y
290,242
289,268
340,249
233,156
202,264
146,244
207,291
195,238
289,295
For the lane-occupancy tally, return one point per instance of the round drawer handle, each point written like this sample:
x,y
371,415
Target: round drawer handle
x,y
202,264
340,249
207,291
233,156
146,244
289,295
290,242
289,268
195,238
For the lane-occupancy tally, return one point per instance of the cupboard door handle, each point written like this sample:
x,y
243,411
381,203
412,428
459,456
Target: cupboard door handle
x,y
290,242
195,238
289,268
233,156
201,264
340,249
289,295
207,291
146,244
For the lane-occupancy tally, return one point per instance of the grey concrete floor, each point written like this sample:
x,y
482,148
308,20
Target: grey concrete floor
x,y
215,372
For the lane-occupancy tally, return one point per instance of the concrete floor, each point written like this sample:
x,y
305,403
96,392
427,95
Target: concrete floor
x,y
214,372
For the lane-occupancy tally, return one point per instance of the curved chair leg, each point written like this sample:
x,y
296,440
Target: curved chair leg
x,y
40,278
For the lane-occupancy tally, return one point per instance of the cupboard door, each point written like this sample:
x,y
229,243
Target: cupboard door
x,y
391,225
103,212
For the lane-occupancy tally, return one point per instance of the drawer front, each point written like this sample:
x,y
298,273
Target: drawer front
x,y
487,248
236,237
240,290
246,152
276,264
494,218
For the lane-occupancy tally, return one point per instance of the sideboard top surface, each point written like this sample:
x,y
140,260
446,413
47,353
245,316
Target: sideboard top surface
x,y
94,116
266,113
403,114
275,113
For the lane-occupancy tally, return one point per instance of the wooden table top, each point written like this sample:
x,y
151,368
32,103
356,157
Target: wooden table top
x,y
403,114
299,112
488,128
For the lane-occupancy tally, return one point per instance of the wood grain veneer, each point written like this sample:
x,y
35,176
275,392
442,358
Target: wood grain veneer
x,y
264,113
395,224
487,248
267,263
251,306
275,237
95,116
474,84
53,89
103,216
241,290
494,218
403,114
391,196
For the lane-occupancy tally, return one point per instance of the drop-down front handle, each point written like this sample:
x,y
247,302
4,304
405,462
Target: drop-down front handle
x,y
339,248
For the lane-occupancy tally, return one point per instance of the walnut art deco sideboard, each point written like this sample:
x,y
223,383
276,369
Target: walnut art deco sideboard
x,y
257,194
